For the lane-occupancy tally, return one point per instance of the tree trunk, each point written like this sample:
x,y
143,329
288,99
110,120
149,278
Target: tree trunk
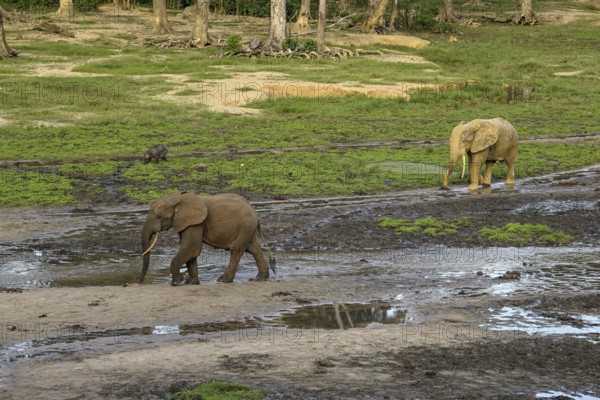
x,y
321,29
524,13
200,30
375,10
447,12
5,49
65,10
393,16
276,28
161,23
304,16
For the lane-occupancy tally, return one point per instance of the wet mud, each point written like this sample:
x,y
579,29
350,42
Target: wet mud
x,y
355,311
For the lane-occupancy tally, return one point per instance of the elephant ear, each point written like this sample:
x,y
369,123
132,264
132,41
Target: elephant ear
x,y
485,136
189,211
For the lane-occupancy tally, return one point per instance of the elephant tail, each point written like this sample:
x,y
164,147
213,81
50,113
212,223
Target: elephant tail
x,y
272,260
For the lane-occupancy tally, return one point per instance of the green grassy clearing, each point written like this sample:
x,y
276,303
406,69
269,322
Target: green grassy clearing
x,y
494,70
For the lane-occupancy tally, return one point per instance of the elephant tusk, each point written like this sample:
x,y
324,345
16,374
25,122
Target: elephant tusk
x,y
151,245
462,175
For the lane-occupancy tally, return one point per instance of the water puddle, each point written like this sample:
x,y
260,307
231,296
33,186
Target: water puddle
x,y
555,207
69,341
342,316
39,340
545,323
566,396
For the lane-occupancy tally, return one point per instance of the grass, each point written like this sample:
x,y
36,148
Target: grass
x,y
425,226
97,124
512,234
218,390
518,234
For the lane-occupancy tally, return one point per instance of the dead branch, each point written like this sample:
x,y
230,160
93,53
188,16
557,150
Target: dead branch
x,y
49,27
338,22
169,42
330,53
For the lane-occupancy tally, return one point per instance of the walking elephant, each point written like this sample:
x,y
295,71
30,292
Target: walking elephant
x,y
223,221
484,141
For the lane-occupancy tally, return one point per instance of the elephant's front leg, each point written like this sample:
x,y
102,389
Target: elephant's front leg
x,y
176,263
474,168
189,249
487,175
231,269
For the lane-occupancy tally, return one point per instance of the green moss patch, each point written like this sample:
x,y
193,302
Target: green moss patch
x,y
20,188
426,226
218,390
518,234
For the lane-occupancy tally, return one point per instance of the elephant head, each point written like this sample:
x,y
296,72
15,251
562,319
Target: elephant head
x,y
177,211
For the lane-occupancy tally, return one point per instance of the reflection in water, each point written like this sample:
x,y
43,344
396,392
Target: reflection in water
x,y
554,207
343,316
560,395
532,323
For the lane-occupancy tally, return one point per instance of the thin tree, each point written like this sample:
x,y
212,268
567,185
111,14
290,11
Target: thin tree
x,y
125,4
447,13
321,28
303,16
524,14
393,15
375,10
200,29
161,23
5,49
65,9
276,27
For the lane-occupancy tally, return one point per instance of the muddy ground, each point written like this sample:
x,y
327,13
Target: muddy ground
x,y
125,340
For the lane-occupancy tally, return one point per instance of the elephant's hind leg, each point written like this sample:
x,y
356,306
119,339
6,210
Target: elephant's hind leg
x,y
263,268
510,177
192,267
231,269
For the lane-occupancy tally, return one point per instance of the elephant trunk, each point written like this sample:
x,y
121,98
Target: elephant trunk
x,y
147,233
452,164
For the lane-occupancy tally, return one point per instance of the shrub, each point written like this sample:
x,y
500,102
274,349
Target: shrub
x,y
234,44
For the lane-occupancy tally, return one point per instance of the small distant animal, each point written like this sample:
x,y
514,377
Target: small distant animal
x,y
157,152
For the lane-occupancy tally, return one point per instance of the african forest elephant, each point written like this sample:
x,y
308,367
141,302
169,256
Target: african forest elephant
x,y
484,141
223,221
